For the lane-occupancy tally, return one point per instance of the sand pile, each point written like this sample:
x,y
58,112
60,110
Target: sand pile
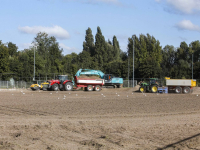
x,y
88,77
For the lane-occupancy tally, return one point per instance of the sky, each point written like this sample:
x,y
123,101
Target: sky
x,y
169,21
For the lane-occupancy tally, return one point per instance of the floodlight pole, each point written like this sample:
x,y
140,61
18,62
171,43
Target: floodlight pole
x,y
34,66
133,62
128,68
192,66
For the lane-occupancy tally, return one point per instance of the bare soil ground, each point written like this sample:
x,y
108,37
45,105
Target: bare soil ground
x,y
109,119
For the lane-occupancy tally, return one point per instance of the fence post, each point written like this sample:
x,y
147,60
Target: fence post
x,y
7,84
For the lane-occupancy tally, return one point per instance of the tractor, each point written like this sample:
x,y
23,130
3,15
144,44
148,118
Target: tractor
x,y
150,85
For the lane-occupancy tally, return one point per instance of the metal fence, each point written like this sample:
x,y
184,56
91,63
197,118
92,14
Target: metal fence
x,y
23,84
13,85
129,83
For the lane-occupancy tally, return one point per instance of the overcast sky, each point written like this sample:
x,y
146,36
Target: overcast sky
x,y
169,21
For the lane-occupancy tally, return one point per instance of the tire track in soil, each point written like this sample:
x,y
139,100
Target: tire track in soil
x,y
192,142
10,111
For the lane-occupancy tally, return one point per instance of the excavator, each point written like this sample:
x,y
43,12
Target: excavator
x,y
110,80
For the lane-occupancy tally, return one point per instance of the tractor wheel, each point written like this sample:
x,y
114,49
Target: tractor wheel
x,y
89,88
186,90
55,87
154,89
68,86
142,89
178,90
97,88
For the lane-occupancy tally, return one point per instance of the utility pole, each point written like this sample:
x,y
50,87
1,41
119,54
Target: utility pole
x,y
128,68
133,62
34,66
192,66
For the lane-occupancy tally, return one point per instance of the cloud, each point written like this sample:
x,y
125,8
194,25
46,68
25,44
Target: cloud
x,y
184,6
68,50
23,46
56,31
187,25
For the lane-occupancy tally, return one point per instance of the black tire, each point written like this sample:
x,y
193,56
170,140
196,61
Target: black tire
x,y
186,90
89,88
68,86
55,87
142,89
178,90
154,89
118,86
97,88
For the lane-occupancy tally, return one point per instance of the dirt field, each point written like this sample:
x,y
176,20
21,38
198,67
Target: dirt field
x,y
111,119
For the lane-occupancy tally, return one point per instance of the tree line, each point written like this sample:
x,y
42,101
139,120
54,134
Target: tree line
x,y
150,59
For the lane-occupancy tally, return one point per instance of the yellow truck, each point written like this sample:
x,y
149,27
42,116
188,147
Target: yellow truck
x,y
180,85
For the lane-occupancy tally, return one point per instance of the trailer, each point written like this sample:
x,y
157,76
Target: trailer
x,y
181,85
89,84
63,83
110,80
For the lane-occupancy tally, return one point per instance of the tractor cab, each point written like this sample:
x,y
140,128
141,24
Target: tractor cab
x,y
153,81
62,78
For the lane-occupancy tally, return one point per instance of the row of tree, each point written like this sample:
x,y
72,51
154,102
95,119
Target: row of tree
x,y
150,59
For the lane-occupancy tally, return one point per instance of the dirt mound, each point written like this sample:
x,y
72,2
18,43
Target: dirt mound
x,y
88,77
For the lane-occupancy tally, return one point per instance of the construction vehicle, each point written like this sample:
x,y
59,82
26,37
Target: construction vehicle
x,y
150,85
181,85
110,80
64,84
38,85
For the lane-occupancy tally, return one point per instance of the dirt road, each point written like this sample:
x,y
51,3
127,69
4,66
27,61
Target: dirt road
x,y
110,119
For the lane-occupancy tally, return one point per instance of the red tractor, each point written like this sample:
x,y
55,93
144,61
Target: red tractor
x,y
60,83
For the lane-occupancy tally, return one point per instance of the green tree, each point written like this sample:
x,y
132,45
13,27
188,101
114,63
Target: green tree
x,y
116,48
4,59
70,64
184,61
85,60
48,49
12,48
100,53
147,56
168,61
88,44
